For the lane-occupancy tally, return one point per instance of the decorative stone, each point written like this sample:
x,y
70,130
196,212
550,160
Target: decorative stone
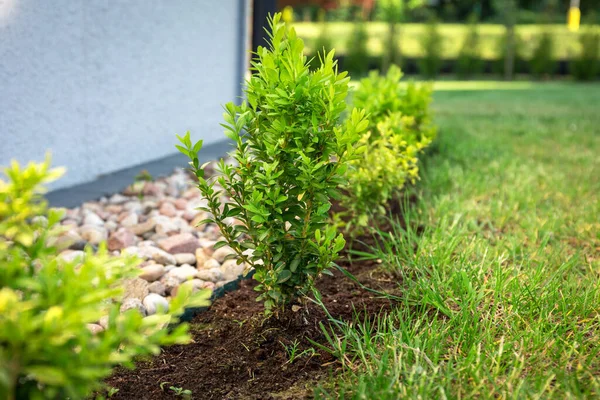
x,y
158,288
135,288
164,225
103,321
95,328
92,218
93,234
212,275
222,252
155,302
158,255
181,243
129,220
120,239
168,209
183,273
170,282
68,238
231,270
118,199
133,206
72,255
180,204
210,264
152,272
185,258
144,227
111,226
200,258
133,304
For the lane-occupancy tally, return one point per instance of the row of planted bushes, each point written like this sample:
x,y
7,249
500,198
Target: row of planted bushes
x,y
298,147
541,63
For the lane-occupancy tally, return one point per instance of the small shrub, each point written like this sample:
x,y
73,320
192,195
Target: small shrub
x,y
46,302
291,154
381,96
432,45
587,65
357,56
470,60
400,127
542,60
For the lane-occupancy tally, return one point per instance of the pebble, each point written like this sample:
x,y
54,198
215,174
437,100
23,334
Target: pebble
x,y
129,220
135,288
221,253
133,304
155,302
200,258
144,227
72,255
212,275
93,234
210,263
180,243
168,209
93,219
231,270
158,288
183,273
95,328
121,239
152,272
185,258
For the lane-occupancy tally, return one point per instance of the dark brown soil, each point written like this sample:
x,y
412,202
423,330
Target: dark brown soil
x,y
238,354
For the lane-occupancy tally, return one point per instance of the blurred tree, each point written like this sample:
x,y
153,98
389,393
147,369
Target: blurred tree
x,y
357,55
394,13
470,60
507,9
432,44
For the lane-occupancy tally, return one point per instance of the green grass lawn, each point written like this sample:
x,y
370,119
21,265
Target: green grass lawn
x,y
567,44
501,292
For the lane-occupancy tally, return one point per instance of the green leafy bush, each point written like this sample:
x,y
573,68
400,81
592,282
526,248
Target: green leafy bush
x,y
470,61
381,96
46,302
587,65
400,126
432,45
357,56
291,154
542,60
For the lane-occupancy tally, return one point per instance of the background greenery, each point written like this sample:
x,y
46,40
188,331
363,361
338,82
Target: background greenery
x,y
566,42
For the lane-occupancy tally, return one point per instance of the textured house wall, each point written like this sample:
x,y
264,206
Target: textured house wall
x,y
105,85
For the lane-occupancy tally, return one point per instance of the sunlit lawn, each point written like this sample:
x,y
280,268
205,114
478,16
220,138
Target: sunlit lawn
x,y
567,44
501,292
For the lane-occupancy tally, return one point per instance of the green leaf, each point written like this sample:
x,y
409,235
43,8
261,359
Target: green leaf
x,y
284,276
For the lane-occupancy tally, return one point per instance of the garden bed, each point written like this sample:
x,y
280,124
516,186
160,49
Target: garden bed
x,y
237,353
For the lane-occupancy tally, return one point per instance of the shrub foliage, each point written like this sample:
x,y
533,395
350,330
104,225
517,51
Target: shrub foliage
x,y
291,155
542,60
357,56
432,45
46,302
470,61
587,65
400,126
